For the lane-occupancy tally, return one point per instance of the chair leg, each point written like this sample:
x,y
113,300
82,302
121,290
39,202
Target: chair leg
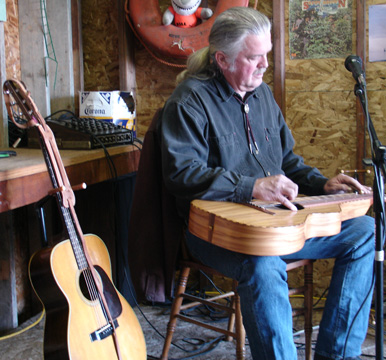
x,y
240,331
231,320
175,310
235,323
235,320
308,303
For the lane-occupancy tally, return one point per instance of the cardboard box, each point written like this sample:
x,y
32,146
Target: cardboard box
x,y
112,106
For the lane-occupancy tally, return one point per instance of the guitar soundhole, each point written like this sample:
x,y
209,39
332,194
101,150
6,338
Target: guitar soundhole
x,y
281,206
86,284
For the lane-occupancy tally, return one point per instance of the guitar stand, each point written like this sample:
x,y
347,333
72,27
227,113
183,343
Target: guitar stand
x,y
378,162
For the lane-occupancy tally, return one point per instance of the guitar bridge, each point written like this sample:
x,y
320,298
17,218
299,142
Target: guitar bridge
x,y
103,332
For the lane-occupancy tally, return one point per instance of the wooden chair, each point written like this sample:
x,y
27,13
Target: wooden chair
x,y
235,327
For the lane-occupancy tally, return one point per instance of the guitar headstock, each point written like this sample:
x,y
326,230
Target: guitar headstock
x,y
20,106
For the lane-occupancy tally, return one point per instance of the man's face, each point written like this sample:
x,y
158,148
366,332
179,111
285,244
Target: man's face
x,y
246,74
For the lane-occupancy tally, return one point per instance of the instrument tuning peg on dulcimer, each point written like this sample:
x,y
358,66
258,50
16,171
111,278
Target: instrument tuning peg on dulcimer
x,y
355,172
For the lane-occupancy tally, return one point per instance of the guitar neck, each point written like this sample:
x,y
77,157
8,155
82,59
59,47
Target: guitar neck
x,y
307,202
18,101
66,207
314,201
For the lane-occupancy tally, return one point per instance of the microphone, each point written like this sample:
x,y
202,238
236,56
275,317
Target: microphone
x,y
353,64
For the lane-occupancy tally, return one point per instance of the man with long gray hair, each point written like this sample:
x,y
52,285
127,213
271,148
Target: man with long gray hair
x,y
224,138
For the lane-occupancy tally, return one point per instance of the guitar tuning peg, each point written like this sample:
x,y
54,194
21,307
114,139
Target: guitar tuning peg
x,y
81,186
60,189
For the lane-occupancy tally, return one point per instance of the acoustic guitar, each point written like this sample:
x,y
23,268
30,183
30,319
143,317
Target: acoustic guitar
x,y
86,316
262,228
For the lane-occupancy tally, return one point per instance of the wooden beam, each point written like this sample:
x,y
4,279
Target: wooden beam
x,y
8,302
279,54
77,49
61,63
126,51
46,53
33,61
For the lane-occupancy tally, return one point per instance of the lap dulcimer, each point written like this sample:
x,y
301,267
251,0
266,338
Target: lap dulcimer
x,y
262,228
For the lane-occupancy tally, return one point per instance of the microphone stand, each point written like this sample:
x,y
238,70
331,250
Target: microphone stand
x,y
378,163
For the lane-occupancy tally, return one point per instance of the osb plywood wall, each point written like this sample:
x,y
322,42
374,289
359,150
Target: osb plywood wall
x,y
321,107
100,45
11,40
319,93
320,103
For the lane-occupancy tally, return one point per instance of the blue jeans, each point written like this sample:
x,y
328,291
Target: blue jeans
x,y
263,291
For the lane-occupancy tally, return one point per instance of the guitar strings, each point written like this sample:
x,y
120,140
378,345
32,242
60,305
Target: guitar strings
x,y
84,269
75,239
76,244
80,258
53,163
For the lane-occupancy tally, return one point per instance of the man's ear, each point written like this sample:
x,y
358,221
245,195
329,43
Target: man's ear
x,y
222,60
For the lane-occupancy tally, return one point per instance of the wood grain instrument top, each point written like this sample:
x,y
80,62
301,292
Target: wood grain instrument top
x,y
263,228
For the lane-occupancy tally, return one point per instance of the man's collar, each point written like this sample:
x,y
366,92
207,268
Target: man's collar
x,y
226,91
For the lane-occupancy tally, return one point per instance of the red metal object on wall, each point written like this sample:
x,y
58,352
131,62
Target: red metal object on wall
x,y
170,40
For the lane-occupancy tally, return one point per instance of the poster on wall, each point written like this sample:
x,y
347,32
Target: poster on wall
x,y
377,33
3,11
320,29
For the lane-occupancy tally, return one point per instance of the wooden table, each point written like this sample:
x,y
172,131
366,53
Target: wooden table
x,y
24,180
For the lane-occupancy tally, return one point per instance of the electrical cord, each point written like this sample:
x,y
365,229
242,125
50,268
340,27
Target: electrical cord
x,y
113,173
216,341
36,322
322,297
201,344
197,352
65,116
299,345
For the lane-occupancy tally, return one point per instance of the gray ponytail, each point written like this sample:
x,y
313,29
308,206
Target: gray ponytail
x,y
227,35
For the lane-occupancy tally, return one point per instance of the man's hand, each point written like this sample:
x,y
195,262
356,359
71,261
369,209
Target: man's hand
x,y
343,183
276,188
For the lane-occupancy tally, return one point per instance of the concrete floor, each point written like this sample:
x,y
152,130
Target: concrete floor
x,y
27,341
